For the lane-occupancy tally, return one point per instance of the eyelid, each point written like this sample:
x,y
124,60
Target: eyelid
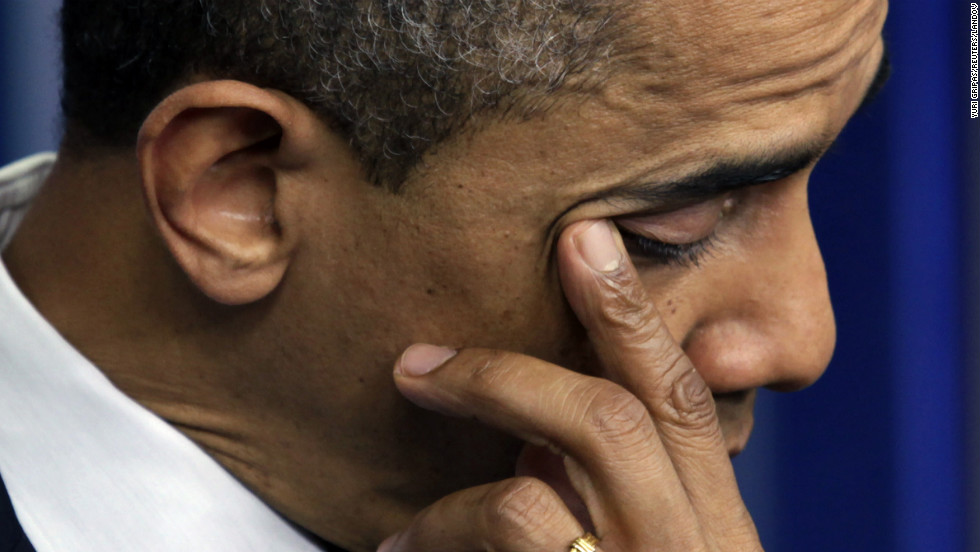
x,y
684,225
644,250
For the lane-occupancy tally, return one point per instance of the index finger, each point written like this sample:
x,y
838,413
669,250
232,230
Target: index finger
x,y
636,350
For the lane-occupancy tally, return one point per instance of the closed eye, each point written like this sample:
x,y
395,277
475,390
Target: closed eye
x,y
663,253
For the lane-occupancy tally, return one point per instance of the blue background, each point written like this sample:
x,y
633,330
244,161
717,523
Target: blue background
x,y
883,453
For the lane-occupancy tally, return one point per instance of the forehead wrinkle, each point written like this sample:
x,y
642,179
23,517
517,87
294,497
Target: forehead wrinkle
x,y
690,51
817,68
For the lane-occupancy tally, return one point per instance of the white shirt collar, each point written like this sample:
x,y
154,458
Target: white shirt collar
x,y
89,469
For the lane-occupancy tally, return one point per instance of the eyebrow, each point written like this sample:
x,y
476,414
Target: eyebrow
x,y
719,178
729,175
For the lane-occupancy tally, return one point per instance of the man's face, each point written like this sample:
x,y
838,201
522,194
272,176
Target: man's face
x,y
699,147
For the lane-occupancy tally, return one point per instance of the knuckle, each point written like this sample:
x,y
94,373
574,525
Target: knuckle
x,y
519,510
617,418
689,404
636,322
625,306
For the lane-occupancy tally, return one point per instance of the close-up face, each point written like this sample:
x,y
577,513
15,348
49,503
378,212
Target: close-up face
x,y
699,146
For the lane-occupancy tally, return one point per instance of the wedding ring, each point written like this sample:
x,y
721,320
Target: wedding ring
x,y
585,543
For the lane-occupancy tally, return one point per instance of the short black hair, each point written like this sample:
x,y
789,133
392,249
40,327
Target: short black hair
x,y
394,76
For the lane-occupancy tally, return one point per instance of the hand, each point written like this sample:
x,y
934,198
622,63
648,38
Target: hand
x,y
642,449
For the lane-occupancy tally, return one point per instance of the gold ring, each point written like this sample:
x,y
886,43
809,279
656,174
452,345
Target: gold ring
x,y
585,543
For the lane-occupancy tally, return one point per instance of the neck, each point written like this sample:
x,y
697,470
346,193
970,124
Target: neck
x,y
89,260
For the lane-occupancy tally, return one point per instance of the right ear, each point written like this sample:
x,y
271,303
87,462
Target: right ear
x,y
213,157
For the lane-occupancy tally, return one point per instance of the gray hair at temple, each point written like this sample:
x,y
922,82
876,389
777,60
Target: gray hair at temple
x,y
395,77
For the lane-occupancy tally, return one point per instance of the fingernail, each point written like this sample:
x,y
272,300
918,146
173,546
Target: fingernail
x,y
420,359
389,544
598,247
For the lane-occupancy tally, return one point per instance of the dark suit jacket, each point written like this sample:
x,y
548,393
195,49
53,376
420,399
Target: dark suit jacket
x,y
12,538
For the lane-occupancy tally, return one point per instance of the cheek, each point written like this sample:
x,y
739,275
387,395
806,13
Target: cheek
x,y
495,295
679,299
459,287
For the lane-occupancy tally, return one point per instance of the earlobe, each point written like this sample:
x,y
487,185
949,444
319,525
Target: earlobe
x,y
212,162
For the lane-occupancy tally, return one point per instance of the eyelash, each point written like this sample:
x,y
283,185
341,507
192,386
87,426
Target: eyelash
x,y
663,253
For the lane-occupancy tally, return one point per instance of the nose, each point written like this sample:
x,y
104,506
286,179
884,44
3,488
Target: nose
x,y
772,325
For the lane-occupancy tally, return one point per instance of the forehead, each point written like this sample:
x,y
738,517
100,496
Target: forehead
x,y
743,51
690,81
767,70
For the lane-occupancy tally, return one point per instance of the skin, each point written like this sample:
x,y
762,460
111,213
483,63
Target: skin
x,y
257,293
